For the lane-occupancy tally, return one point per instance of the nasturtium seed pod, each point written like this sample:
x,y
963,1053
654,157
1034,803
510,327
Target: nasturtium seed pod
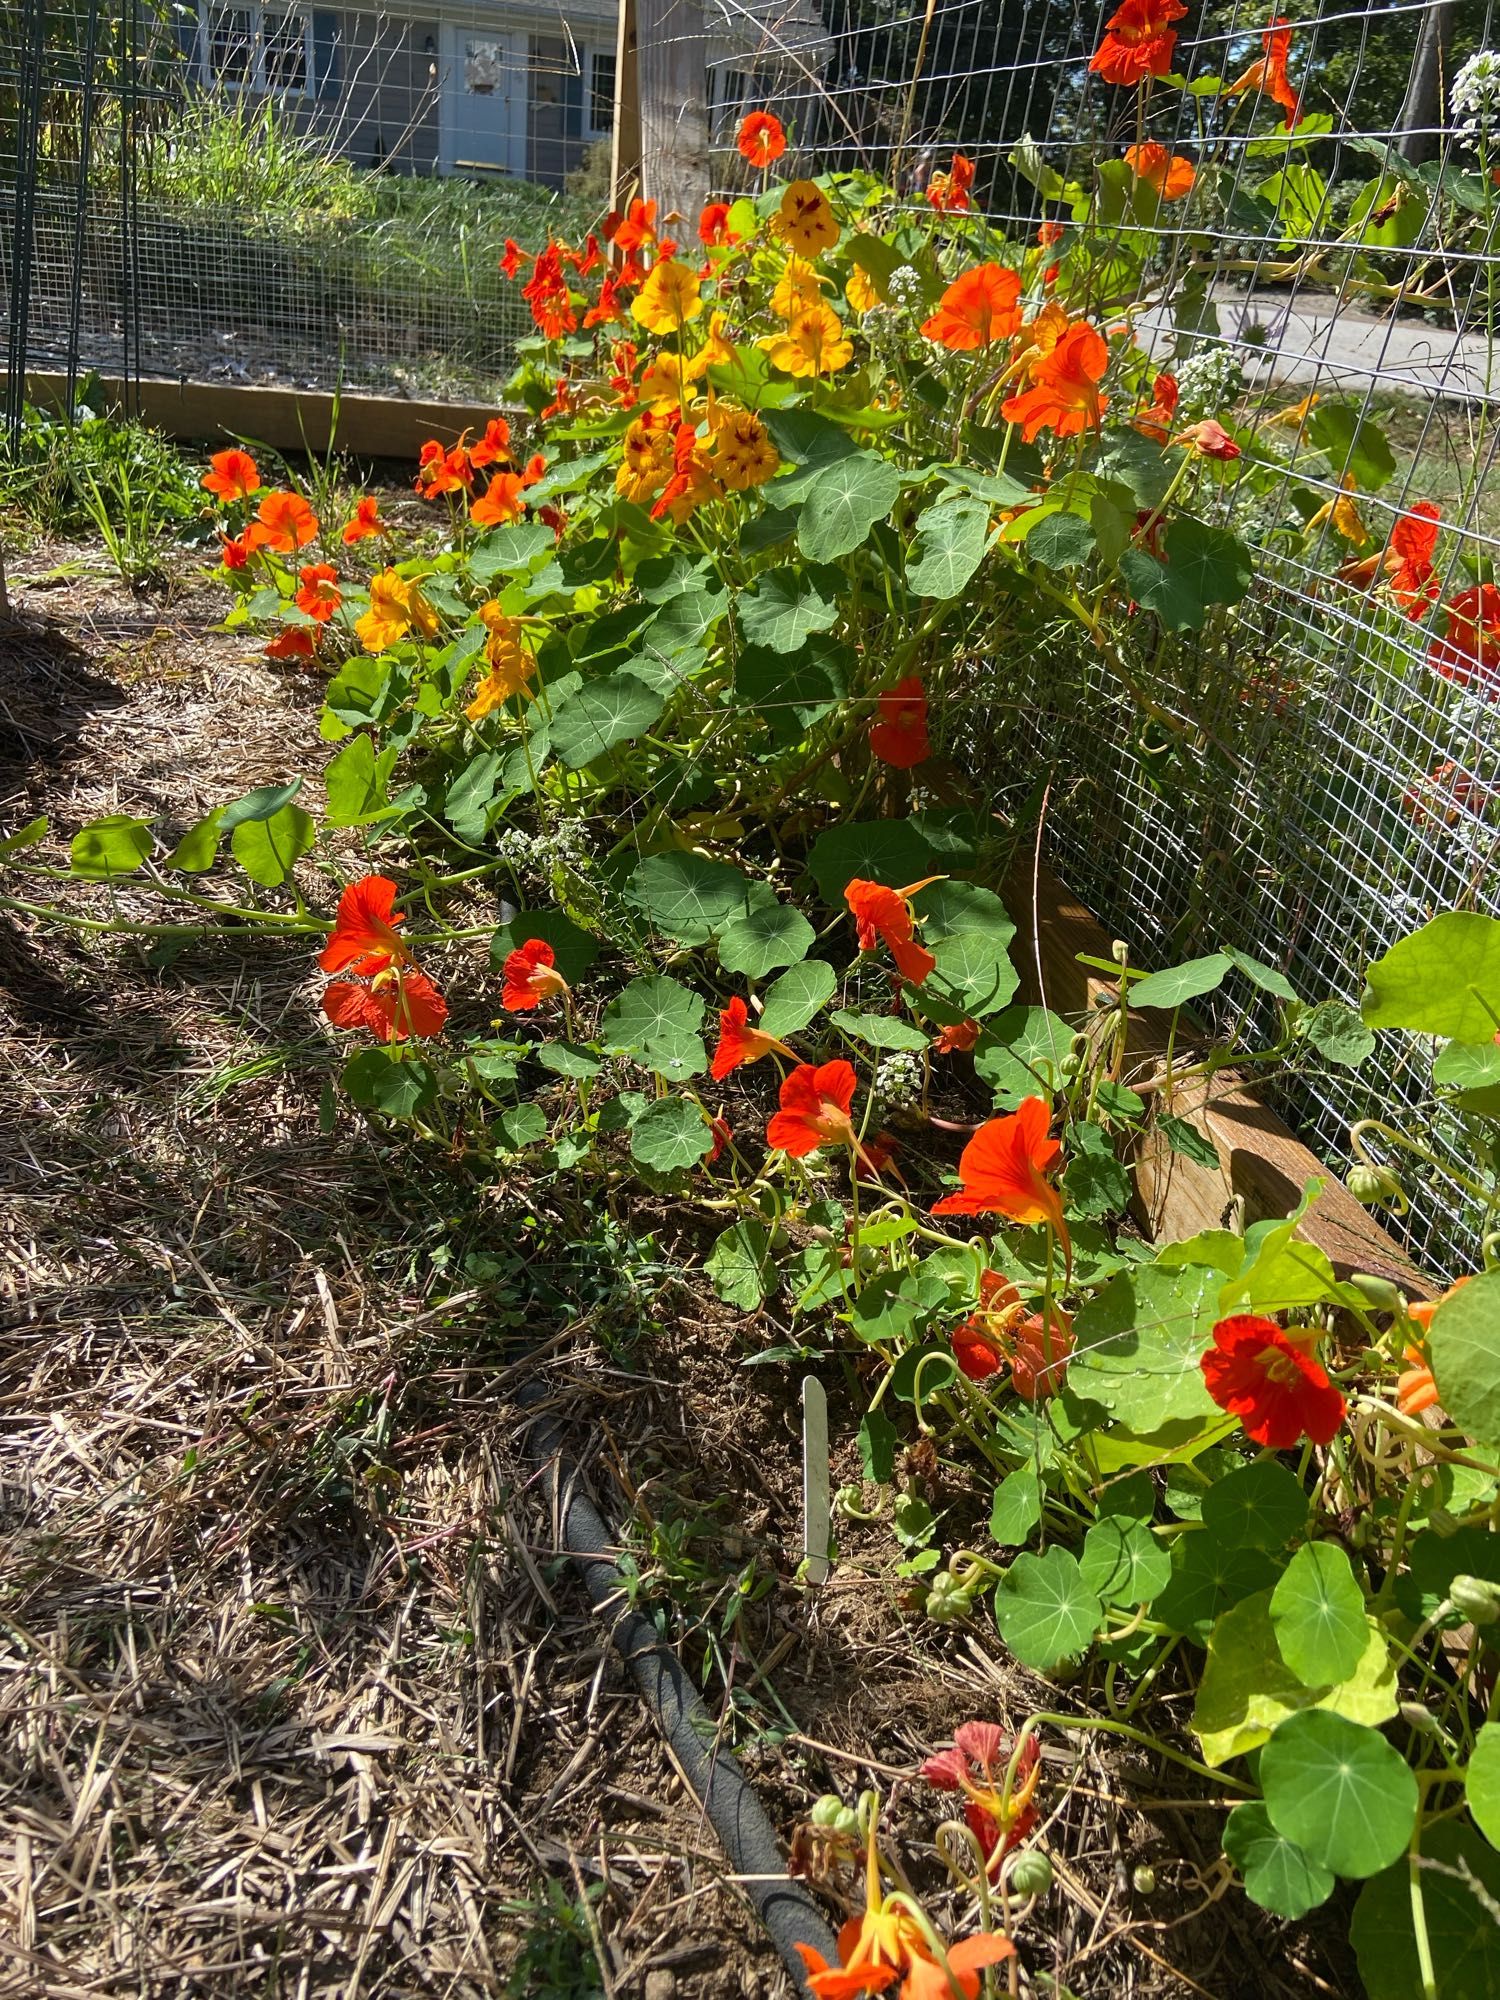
x,y
1143,1880
1372,1186
1070,1065
1442,1523
1476,1597
947,1599
1030,1874
1378,1293
827,1810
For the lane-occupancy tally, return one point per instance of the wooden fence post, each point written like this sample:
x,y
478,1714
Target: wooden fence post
x,y
625,146
671,69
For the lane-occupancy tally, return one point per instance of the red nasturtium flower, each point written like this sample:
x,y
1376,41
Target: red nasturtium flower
x,y
1003,1170
1447,791
1138,41
761,138
1005,1332
898,735
284,522
722,1137
978,308
1155,422
293,642
1209,439
1169,173
949,193
740,1043
956,1039
365,521
1064,394
635,229
234,553
1048,233
1405,565
1267,1377
365,930
440,471
513,259
1269,74
318,593
976,1766
392,1004
493,446
713,226
1471,650
531,976
815,1110
884,916
232,475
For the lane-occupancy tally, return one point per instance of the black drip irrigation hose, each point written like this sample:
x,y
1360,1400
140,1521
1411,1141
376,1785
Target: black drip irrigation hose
x,y
785,1908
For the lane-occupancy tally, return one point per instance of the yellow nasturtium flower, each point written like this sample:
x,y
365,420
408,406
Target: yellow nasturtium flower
x,y
743,454
814,343
666,382
669,299
646,464
1344,515
805,222
797,288
860,290
396,608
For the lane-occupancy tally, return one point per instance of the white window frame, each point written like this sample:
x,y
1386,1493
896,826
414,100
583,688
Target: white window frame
x,y
254,83
587,126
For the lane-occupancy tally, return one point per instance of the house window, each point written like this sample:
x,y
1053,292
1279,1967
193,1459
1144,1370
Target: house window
x,y
266,49
599,93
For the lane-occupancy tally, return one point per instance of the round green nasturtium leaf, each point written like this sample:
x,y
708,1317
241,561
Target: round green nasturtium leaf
x,y
1482,1785
1045,1611
601,714
880,1031
891,851
1318,1612
269,849
1139,1345
798,997
574,949
1123,1562
1261,1505
1459,1893
1247,1690
114,845
968,931
1340,1791
1266,977
198,848
1204,566
741,1267
522,1126
763,939
656,1020
397,1086
843,503
1278,1875
1181,983
670,1135
1207,1579
1060,541
1337,1033
1017,1507
1021,1053
1464,1342
949,547
933,1363
688,897
1443,980
787,606
263,803
568,1059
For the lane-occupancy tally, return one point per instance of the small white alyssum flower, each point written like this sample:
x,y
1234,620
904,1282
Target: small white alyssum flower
x,y
898,1079
1475,96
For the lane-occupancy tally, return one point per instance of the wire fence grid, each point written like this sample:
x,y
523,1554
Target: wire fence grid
x,y
1324,791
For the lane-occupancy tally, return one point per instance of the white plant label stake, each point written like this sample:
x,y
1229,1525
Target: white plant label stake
x,y
815,1514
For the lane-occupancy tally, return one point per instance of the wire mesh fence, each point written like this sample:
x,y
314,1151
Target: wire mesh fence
x,y
322,197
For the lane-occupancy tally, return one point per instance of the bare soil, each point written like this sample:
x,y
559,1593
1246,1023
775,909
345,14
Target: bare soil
x,y
296,1695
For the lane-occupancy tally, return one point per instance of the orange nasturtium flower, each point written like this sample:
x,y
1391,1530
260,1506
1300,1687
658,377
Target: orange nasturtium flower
x,y
292,642
494,445
814,343
949,193
1269,74
646,458
743,454
1064,396
1003,1170
978,308
1267,1376
508,664
440,471
1154,422
815,1110
365,929
669,299
284,522
1416,1391
1169,173
500,503
957,1038
898,736
1471,650
713,226
1004,1331
318,592
761,138
1343,513
396,608
392,1004
531,976
740,1043
805,222
233,552
976,1766
365,521
1138,41
232,475
1209,439
1405,564
884,916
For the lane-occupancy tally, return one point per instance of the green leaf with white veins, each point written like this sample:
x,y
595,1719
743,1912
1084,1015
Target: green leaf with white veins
x,y
1204,566
763,939
741,1267
798,997
656,1020
689,897
1443,980
1318,1613
1045,1611
601,714
787,606
1139,1343
948,549
670,1135
268,849
842,505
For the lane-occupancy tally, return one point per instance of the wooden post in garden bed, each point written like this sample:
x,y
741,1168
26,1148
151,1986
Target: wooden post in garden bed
x,y
661,109
1260,1159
